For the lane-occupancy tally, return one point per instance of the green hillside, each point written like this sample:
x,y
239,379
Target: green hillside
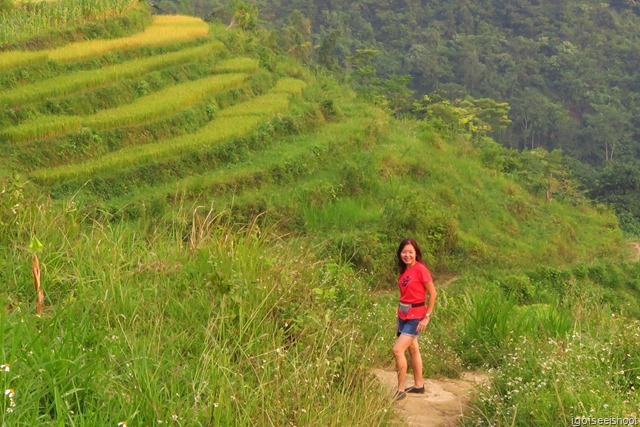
x,y
219,226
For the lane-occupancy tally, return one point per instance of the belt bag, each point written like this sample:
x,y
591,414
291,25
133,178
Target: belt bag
x,y
404,307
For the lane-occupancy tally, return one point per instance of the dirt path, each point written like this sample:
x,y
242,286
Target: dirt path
x,y
635,246
442,405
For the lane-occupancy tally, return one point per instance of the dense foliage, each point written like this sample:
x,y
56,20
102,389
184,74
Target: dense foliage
x,y
568,70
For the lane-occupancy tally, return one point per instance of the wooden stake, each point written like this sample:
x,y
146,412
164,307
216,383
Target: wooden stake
x,y
35,269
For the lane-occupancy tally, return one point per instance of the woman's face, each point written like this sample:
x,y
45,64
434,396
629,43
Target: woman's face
x,y
408,255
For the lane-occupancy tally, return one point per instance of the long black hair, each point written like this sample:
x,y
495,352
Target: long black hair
x,y
402,267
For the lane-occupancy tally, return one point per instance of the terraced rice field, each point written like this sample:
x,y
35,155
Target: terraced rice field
x,y
125,153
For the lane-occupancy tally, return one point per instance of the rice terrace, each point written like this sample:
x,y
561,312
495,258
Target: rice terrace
x,y
211,225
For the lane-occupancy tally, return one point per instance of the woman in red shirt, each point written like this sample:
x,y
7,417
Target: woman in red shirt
x,y
414,313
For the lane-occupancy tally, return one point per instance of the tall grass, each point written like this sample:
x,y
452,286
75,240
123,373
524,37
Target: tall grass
x,y
276,100
163,30
144,109
290,85
27,19
236,65
195,324
84,80
9,60
264,105
42,128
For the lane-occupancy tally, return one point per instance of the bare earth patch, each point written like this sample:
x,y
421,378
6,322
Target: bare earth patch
x,y
443,403
636,250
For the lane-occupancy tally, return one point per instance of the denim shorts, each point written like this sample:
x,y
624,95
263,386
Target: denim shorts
x,y
408,327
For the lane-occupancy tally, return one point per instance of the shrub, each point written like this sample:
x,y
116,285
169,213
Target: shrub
x,y
519,288
550,278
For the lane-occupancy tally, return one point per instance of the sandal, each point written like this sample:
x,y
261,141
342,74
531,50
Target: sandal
x,y
414,389
399,395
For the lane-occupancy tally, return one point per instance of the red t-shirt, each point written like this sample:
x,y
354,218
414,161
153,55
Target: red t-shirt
x,y
413,291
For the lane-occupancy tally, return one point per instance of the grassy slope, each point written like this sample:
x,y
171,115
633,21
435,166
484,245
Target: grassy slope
x,y
229,284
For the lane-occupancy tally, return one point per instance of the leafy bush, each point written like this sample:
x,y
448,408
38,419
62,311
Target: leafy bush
x,y
437,230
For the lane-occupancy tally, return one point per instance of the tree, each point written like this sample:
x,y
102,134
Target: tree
x,y
618,184
427,65
464,20
470,68
362,74
534,115
626,4
326,56
491,112
245,16
476,116
295,37
608,126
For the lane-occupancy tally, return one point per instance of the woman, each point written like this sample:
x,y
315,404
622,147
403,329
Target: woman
x,y
414,314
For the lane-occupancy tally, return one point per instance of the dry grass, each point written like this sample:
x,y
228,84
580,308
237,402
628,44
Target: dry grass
x,y
164,30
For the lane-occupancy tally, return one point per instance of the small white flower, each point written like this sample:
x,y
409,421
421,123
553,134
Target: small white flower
x,y
5,367
9,392
122,424
174,417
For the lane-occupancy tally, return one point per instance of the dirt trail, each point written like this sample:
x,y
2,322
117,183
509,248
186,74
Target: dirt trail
x,y
442,405
636,248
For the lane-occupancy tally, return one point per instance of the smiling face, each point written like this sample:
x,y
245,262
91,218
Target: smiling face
x,y
408,255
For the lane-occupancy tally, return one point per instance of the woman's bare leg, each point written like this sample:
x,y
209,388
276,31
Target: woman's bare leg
x,y
402,344
416,364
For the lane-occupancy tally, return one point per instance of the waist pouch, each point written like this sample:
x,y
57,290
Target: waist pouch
x,y
404,308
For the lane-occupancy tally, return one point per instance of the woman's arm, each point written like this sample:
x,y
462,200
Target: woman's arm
x,y
431,291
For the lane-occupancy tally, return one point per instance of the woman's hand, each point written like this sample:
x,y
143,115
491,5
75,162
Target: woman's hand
x,y
423,324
